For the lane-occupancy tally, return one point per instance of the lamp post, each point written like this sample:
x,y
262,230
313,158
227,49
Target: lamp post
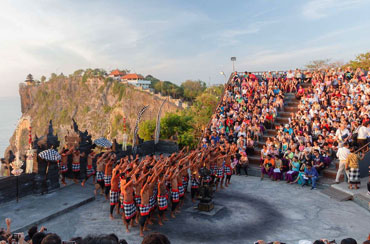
x,y
223,73
233,59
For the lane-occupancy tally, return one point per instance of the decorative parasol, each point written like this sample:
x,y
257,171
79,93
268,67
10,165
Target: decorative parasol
x,y
103,142
50,155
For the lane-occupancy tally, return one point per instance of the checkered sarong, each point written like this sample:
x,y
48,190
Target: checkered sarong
x,y
185,183
130,209
76,167
220,172
175,195
207,179
181,191
114,197
152,202
227,170
354,176
63,168
162,202
213,170
194,183
99,176
107,180
144,209
90,172
137,200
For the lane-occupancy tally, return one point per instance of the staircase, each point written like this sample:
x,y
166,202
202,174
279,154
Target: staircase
x,y
290,106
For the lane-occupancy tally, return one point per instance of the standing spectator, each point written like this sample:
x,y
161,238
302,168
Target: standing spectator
x,y
354,169
342,155
363,134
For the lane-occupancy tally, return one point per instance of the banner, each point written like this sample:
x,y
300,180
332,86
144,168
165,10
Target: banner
x,y
158,124
141,112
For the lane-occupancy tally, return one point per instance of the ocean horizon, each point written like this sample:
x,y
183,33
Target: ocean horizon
x,y
10,108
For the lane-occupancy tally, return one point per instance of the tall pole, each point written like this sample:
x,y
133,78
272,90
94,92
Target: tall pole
x,y
17,188
233,59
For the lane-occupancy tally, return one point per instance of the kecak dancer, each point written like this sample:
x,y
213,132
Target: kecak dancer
x,y
89,168
76,164
108,174
100,168
114,191
63,164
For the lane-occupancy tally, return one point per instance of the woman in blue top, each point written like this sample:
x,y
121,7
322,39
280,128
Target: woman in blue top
x,y
294,166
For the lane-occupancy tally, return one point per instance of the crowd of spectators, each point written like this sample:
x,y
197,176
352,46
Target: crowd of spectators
x,y
333,113
40,236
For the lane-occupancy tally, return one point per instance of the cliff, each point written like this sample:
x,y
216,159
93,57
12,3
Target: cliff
x,y
98,105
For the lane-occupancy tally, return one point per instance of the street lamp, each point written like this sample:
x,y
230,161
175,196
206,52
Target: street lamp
x,y
233,59
223,73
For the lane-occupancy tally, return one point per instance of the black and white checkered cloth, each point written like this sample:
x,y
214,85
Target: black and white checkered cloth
x,y
162,202
130,209
99,176
220,172
50,155
181,191
76,167
63,168
152,202
175,195
114,197
354,175
144,209
90,172
103,142
107,180
137,200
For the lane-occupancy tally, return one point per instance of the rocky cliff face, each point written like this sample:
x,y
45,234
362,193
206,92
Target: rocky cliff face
x,y
97,105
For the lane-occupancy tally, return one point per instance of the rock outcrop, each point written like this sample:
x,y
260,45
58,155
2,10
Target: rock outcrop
x,y
97,105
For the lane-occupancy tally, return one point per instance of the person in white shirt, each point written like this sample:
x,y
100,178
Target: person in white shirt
x,y
342,155
363,134
342,134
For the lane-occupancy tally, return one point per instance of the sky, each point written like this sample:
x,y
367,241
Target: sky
x,y
175,40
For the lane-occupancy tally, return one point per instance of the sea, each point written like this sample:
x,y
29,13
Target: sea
x,y
10,113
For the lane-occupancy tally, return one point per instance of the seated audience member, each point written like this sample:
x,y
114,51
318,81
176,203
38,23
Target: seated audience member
x,y
310,174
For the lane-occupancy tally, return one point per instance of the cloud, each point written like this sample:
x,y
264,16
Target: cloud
x,y
318,9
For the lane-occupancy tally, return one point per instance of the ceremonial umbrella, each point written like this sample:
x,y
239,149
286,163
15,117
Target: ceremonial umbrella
x,y
50,155
103,142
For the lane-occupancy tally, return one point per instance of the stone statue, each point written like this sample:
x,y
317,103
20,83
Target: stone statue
x,y
29,161
124,142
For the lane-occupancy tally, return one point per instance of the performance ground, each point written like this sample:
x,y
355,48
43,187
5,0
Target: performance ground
x,y
253,210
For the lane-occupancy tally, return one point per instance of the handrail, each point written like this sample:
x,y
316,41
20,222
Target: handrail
x,y
367,144
214,111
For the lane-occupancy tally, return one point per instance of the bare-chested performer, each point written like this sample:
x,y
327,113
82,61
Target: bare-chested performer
x,y
162,197
89,168
145,206
76,165
220,170
127,190
63,164
114,191
108,174
100,168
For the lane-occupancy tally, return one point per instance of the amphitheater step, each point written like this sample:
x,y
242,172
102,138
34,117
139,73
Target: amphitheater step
x,y
337,194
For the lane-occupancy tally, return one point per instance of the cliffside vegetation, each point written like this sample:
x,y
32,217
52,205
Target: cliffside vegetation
x,y
185,125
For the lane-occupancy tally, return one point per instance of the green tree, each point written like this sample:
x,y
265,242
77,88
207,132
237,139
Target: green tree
x,y
146,129
43,79
361,61
192,89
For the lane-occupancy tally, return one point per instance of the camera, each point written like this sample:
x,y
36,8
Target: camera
x,y
16,236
